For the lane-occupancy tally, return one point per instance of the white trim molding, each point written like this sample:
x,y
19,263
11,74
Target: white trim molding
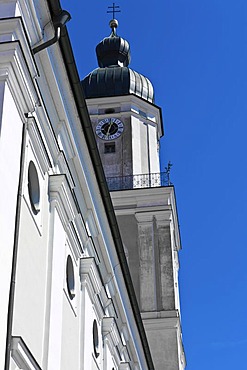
x,y
109,329
124,366
90,275
22,356
60,193
17,64
113,338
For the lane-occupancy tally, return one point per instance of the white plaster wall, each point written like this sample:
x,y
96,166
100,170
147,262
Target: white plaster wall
x,y
10,148
29,304
145,156
71,320
136,145
2,89
90,362
31,275
108,360
56,293
153,149
144,148
13,365
70,356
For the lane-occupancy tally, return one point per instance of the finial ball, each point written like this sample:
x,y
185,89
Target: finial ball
x,y
113,23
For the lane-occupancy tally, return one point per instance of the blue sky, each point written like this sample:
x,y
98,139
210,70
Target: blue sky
x,y
195,54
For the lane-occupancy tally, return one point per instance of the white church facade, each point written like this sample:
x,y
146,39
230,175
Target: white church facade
x,y
88,276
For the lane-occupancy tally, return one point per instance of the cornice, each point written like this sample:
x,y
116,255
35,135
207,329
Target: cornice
x,y
110,329
162,323
91,279
60,191
162,217
143,197
17,65
22,356
111,334
161,320
90,275
159,202
116,99
61,195
12,29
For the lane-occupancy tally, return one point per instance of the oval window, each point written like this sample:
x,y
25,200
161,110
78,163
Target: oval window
x,y
70,278
33,187
95,339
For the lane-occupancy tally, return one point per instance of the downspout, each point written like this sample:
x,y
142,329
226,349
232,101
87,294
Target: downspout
x,y
15,250
59,21
49,42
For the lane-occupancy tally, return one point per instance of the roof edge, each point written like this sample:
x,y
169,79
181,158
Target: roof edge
x,y
73,75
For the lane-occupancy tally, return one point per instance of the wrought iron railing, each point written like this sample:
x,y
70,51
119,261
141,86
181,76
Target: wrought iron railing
x,y
150,180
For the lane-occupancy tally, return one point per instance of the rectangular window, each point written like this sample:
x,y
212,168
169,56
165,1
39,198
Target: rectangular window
x,y
110,148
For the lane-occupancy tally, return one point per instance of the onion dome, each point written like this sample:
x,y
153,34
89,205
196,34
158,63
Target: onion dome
x,y
113,77
113,50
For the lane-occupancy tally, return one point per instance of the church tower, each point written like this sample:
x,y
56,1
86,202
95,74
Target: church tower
x,y
128,127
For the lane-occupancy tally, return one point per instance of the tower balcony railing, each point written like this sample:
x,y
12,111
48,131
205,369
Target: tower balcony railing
x,y
149,180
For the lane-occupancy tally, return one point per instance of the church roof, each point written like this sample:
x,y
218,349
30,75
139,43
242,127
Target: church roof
x,y
114,77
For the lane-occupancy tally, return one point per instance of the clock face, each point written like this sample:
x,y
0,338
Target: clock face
x,y
109,128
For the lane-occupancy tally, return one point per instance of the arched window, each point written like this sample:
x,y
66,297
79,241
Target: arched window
x,y
70,278
33,187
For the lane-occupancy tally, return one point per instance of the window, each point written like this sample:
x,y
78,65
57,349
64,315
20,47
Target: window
x,y
95,339
109,110
70,278
110,148
33,187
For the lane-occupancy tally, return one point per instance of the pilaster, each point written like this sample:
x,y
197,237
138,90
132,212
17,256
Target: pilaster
x,y
166,268
147,261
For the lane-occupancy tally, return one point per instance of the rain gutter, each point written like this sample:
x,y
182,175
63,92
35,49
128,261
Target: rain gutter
x,y
77,90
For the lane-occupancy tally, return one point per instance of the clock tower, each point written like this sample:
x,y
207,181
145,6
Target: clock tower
x,y
128,127
126,121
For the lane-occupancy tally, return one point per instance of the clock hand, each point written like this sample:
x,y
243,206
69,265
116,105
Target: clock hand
x,y
109,128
